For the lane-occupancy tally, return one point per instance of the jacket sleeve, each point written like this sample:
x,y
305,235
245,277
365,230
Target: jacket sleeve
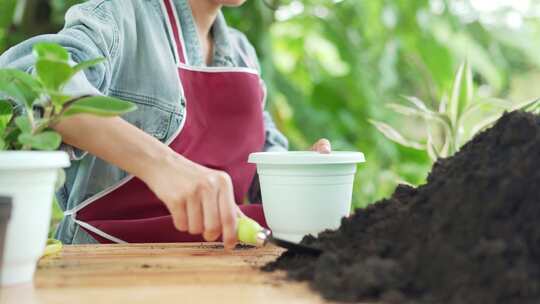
x,y
90,32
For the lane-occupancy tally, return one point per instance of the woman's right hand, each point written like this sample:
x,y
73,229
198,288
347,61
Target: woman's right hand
x,y
200,200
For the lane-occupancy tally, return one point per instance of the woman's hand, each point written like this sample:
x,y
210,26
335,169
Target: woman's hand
x,y
200,200
322,146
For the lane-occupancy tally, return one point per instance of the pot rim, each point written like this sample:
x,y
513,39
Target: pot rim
x,y
28,160
306,158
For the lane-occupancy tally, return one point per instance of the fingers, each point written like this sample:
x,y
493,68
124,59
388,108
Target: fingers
x,y
212,221
322,146
195,217
228,211
206,208
180,217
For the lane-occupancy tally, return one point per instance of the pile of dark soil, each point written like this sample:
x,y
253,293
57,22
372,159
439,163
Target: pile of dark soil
x,y
471,235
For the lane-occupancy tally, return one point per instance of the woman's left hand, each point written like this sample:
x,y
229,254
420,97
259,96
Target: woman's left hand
x,y
322,146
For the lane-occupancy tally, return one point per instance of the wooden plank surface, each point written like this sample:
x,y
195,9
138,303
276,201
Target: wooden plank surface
x,y
158,273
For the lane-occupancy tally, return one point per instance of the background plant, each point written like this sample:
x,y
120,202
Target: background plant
x,y
44,102
455,121
330,65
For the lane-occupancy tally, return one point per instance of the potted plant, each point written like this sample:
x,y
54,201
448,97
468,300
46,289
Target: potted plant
x,y
457,120
30,165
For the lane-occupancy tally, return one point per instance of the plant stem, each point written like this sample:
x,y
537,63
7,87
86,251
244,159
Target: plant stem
x,y
30,114
41,127
49,111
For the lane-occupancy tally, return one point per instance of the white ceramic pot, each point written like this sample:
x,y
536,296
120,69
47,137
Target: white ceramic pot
x,y
29,179
305,192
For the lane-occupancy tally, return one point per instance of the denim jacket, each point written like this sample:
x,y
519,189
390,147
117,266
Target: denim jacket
x,y
140,67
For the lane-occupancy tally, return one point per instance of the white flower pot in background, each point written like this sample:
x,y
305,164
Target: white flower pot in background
x,y
29,179
305,192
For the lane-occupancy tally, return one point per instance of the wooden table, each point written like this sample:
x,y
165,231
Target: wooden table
x,y
158,273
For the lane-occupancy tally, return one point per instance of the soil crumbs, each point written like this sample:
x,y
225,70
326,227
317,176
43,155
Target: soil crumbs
x,y
470,235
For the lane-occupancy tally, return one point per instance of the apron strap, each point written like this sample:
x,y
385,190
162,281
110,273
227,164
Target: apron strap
x,y
175,31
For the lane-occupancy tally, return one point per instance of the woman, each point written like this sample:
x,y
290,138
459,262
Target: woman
x,y
175,169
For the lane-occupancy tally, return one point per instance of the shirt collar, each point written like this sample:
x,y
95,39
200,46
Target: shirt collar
x,y
223,49
222,46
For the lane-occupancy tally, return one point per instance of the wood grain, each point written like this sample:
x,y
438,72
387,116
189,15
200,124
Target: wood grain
x,y
158,273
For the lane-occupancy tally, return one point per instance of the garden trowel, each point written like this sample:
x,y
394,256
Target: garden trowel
x,y
251,233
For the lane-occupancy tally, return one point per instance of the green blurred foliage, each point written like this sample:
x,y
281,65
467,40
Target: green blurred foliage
x,y
330,65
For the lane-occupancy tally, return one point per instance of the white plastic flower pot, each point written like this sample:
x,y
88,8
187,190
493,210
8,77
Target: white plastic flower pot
x,y
305,192
29,179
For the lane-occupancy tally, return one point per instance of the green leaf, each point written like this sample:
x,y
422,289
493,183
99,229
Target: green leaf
x,y
86,64
19,86
54,74
10,90
415,112
24,124
425,112
526,104
48,140
422,112
50,52
490,120
417,103
6,112
101,106
487,102
2,142
10,138
447,146
431,149
406,110
395,136
485,123
58,99
443,104
462,93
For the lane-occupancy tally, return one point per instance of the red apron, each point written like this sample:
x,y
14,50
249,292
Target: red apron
x,y
223,124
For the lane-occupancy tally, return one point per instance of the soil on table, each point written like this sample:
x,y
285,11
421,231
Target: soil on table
x,y
470,235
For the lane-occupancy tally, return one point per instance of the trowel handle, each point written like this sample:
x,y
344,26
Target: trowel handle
x,y
250,232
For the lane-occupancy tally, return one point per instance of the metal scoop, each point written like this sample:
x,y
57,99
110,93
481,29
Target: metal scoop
x,y
251,233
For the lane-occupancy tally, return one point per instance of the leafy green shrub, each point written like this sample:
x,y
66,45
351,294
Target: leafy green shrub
x,y
44,102
449,120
